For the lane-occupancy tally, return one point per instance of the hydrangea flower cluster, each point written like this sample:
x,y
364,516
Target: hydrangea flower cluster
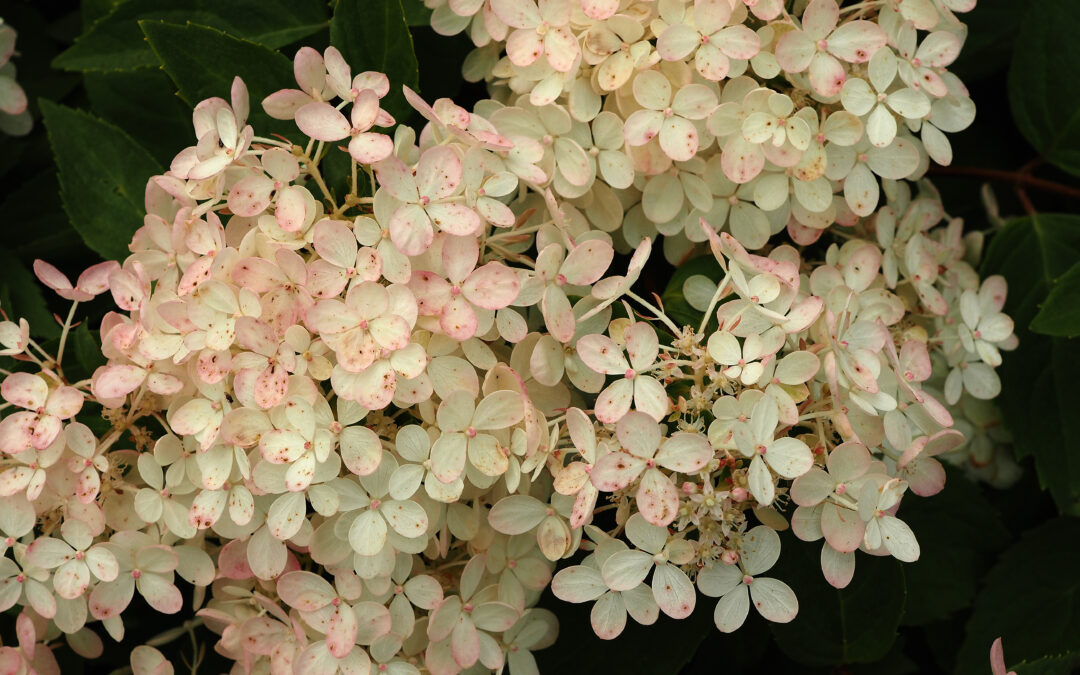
x,y
15,119
366,426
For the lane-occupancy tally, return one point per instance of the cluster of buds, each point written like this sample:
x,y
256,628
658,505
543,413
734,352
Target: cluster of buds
x,y
366,416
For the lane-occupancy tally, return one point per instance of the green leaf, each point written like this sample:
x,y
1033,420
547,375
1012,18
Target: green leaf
x,y
1039,392
21,297
1061,664
103,175
374,35
856,624
992,29
1046,107
1060,313
1031,599
959,531
115,42
84,352
203,61
416,14
675,304
144,104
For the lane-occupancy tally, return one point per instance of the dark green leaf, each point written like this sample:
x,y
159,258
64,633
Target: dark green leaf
x,y
992,28
1031,599
856,624
115,42
374,35
203,61
103,176
1062,664
1046,107
84,351
1038,379
1060,313
958,531
416,14
675,304
21,297
143,103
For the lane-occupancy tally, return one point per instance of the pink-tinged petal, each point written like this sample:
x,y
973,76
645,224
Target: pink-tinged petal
x,y
291,211
309,70
599,9
712,63
616,470
377,385
271,386
492,286
46,429
925,476
857,41
431,291
112,382
673,591
774,600
524,47
335,241
322,122
677,42
390,332
614,402
459,257
741,160
95,280
326,280
376,82
562,48
110,599
678,138
642,126
341,631
361,450
587,262
439,172
25,390
65,402
397,179
368,147
456,219
827,75
411,230
283,104
602,355
838,568
517,13
251,195
820,17
17,432
51,277
794,51
558,313
657,498
458,319
843,528
738,42
258,275
159,593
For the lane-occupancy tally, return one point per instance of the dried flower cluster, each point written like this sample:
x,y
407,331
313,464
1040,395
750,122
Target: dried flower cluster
x,y
372,423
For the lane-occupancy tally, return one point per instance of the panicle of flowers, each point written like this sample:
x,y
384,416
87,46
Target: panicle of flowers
x,y
365,416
